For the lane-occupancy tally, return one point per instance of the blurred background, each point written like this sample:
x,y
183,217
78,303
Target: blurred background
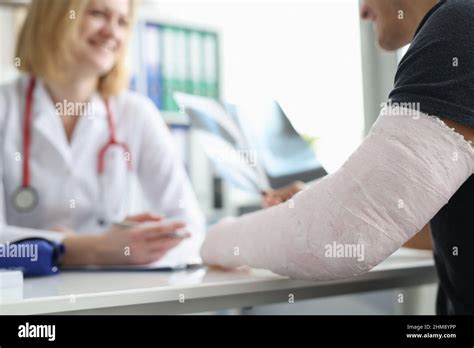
x,y
315,57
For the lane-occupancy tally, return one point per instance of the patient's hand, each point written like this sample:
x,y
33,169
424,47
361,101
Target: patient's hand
x,y
275,197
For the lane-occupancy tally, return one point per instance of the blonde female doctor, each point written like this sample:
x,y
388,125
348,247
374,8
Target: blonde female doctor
x,y
72,138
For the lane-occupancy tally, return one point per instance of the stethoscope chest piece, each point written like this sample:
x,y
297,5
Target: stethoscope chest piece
x,y
25,199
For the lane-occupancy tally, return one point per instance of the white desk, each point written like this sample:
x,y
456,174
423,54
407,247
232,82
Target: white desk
x,y
203,290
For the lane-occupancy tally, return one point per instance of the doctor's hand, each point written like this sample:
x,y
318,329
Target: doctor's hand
x,y
275,197
147,241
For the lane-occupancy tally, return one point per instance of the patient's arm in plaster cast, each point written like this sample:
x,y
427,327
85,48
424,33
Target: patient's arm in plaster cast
x,y
421,240
403,173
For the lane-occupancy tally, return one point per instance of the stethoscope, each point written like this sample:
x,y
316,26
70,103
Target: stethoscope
x,y
26,198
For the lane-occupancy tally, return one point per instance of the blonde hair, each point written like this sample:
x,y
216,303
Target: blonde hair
x,y
49,31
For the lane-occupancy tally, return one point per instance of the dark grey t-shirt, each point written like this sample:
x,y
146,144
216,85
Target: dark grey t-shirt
x,y
437,73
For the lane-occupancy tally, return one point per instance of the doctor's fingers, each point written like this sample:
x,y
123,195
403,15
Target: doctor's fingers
x,y
144,217
151,232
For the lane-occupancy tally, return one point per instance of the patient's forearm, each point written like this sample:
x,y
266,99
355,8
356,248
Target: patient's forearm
x,y
350,221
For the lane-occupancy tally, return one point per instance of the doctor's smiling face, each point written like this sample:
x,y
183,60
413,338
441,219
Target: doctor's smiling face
x,y
103,34
78,40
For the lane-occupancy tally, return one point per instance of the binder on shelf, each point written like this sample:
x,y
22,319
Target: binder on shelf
x,y
135,61
196,54
169,67
180,85
210,65
152,50
188,87
168,59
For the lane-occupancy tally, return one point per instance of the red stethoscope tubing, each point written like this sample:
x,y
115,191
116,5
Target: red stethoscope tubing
x,y
27,134
112,142
102,152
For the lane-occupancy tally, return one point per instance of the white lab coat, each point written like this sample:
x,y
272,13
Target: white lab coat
x,y
65,174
